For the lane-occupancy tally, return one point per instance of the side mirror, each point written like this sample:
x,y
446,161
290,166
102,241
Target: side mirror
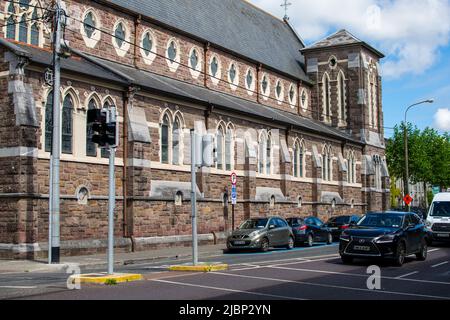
x,y
352,223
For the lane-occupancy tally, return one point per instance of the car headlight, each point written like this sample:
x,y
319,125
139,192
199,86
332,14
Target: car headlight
x,y
428,223
385,239
345,237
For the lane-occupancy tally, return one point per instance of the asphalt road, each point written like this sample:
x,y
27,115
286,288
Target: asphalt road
x,y
303,273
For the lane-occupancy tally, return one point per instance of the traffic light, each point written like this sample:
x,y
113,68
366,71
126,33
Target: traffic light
x,y
104,125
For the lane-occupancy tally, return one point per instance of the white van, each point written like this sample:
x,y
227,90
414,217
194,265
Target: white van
x,y
438,219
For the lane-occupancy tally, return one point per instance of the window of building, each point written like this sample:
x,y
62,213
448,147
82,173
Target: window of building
x,y
326,98
265,153
179,199
89,24
233,76
292,95
173,54
220,144
299,159
195,62
342,98
48,122
148,46
373,96
22,22
351,173
215,69
249,81
171,137
279,90
299,202
91,148
121,38
378,180
304,100
119,34
265,86
332,62
229,146
327,165
67,124
172,51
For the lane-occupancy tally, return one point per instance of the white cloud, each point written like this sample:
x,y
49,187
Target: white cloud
x,y
442,119
409,32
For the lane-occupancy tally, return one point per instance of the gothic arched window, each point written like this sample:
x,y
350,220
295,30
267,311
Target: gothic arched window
x,y
165,126
299,160
268,155
176,141
342,97
327,173
264,153
220,136
91,148
48,122
67,125
23,23
229,146
326,98
119,34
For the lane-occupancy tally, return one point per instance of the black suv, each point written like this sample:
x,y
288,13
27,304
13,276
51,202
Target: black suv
x,y
310,230
392,235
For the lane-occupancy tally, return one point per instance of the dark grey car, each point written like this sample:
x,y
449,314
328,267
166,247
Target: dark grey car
x,y
261,233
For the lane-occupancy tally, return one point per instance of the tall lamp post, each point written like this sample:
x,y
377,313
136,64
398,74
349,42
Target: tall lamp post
x,y
405,132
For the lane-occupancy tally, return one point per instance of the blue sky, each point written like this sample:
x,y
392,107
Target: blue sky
x,y
414,35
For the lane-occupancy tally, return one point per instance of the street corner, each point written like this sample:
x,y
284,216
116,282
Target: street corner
x,y
200,267
106,279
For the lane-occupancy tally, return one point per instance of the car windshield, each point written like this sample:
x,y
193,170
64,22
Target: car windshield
x,y
340,220
381,220
440,209
254,224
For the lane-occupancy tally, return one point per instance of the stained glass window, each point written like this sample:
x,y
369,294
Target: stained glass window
x,y
23,29
89,24
91,148
11,28
147,43
120,35
292,94
214,66
249,79
49,122
67,125
172,51
194,59
165,140
34,34
279,88
265,84
232,73
176,142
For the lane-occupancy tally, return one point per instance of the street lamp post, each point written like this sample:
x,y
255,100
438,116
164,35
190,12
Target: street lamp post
x,y
405,133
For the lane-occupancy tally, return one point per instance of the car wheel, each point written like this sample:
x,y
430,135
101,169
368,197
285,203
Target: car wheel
x,y
330,238
400,254
291,244
310,241
264,245
423,253
346,259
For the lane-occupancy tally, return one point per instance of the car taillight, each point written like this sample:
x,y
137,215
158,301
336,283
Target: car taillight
x,y
345,227
302,228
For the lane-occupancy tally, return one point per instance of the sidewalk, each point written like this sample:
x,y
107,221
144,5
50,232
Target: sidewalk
x,y
99,260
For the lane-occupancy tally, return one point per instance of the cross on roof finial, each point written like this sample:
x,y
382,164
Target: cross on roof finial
x,y
286,4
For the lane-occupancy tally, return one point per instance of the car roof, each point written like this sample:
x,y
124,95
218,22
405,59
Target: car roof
x,y
444,196
400,213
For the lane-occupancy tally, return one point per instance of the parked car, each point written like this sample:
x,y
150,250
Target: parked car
x,y
438,218
390,235
341,223
262,234
310,230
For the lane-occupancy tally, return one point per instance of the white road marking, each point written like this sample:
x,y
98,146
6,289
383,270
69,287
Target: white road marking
x,y
229,290
333,286
439,264
407,275
433,250
16,287
360,275
300,262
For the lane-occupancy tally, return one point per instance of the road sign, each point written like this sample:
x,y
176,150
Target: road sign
x,y
233,178
436,190
233,195
408,199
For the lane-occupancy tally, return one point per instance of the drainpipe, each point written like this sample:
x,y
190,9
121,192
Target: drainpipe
x,y
205,64
137,22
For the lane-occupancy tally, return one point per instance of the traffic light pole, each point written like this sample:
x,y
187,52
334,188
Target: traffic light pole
x,y
54,246
111,208
194,201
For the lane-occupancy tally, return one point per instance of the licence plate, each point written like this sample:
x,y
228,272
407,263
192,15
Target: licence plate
x,y
239,243
362,248
443,235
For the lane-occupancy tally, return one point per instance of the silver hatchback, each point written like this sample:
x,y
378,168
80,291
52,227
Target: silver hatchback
x,y
261,233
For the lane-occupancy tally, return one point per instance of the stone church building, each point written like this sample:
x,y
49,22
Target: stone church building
x,y
302,126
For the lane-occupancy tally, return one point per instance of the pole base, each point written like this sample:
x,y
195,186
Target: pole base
x,y
55,254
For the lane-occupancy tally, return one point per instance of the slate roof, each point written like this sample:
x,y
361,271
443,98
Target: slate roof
x,y
235,25
121,74
340,38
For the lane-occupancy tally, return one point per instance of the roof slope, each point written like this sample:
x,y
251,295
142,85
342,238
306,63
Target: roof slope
x,y
340,38
235,25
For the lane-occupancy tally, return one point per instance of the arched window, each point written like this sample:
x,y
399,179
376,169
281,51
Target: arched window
x,y
165,126
220,144
377,163
265,153
299,160
91,148
119,35
229,146
327,172
351,168
89,24
176,141
67,125
23,23
373,96
326,97
342,97
48,122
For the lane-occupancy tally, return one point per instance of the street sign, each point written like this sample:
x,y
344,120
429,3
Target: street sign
x,y
408,199
233,179
233,195
436,190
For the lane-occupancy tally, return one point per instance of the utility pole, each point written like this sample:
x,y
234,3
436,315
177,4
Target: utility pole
x,y
194,200
54,246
